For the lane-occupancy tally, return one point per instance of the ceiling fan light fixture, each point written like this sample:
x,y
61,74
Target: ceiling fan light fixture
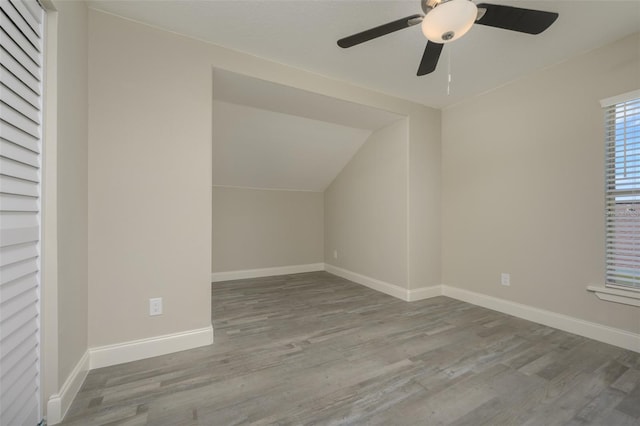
x,y
449,20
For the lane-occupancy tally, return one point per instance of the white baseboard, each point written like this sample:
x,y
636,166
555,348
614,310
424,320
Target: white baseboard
x,y
602,333
595,331
424,293
381,286
104,356
385,287
265,272
59,403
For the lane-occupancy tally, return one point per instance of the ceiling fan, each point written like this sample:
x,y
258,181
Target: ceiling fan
x,y
447,20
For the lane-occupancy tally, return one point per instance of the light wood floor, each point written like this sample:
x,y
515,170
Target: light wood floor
x,y
317,349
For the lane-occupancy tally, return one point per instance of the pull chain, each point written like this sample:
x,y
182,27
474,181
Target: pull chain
x,y
448,71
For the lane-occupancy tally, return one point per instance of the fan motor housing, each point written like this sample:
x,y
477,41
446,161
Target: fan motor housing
x,y
427,5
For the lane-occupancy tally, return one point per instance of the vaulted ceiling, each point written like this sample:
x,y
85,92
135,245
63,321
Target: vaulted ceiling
x,y
275,137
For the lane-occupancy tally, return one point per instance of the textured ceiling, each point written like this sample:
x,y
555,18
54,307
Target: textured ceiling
x,y
303,34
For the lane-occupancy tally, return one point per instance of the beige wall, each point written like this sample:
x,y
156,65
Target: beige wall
x,y
149,182
366,209
150,111
258,228
72,185
523,186
149,173
424,186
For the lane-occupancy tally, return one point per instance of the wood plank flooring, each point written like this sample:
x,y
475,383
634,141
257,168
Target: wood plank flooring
x,y
315,349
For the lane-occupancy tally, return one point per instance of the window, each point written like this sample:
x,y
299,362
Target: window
x,y
622,190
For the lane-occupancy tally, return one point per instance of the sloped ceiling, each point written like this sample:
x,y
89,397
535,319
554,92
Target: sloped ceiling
x,y
243,90
275,137
271,136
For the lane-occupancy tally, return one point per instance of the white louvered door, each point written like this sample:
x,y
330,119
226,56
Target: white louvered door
x,y
21,64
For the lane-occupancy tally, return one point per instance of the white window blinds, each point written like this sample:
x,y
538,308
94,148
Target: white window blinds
x,y
622,190
21,56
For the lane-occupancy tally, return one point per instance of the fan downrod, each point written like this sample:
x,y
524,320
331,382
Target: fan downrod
x,y
428,5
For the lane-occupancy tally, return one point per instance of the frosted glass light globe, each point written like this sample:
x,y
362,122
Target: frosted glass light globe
x,y
449,21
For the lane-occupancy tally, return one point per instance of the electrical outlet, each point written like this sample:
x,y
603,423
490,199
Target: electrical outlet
x,y
155,306
505,279
335,254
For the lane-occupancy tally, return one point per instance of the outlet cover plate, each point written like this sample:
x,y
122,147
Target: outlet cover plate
x,y
155,306
505,279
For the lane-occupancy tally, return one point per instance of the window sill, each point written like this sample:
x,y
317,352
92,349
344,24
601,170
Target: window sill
x,y
627,297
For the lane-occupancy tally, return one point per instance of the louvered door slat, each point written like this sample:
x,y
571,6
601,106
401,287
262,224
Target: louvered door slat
x,y
15,16
17,86
17,102
19,153
21,59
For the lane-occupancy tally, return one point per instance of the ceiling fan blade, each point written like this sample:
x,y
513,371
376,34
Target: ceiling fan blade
x,y
515,19
430,58
379,31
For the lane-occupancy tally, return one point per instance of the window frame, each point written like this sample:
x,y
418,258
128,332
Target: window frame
x,y
611,291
